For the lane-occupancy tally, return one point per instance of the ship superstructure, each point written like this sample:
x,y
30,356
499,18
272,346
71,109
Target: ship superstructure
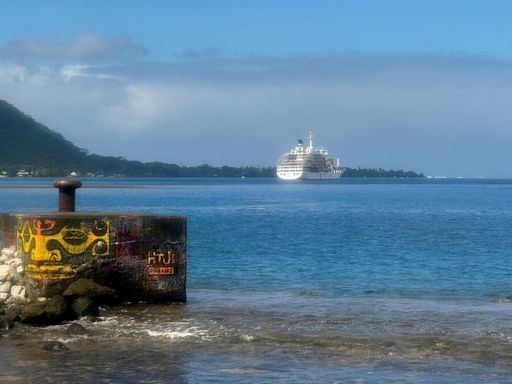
x,y
307,163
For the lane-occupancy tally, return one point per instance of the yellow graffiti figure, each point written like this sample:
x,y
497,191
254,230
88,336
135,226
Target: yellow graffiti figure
x,y
44,250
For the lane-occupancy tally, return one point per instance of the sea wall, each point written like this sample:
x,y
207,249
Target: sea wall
x,y
141,256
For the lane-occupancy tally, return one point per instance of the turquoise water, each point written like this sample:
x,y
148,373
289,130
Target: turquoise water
x,y
364,281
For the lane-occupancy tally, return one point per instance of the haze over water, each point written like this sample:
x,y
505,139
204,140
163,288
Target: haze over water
x,y
353,281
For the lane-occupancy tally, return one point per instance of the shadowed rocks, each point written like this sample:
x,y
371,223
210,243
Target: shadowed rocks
x,y
45,312
81,298
88,288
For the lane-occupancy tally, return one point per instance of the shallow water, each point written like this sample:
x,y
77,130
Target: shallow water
x,y
350,281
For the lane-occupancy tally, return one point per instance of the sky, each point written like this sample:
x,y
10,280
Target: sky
x,y
416,85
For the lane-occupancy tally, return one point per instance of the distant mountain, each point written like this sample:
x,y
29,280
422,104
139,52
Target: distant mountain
x,y
26,142
29,145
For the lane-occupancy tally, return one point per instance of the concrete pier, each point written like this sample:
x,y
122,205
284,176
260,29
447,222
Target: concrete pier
x,y
141,256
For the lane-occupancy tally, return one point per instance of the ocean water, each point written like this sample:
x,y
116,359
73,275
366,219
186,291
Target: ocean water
x,y
346,281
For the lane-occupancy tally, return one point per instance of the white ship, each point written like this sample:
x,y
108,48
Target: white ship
x,y
307,163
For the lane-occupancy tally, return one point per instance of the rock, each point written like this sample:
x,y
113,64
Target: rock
x,y
51,311
12,268
3,297
4,272
20,270
85,306
3,258
54,346
88,288
5,287
18,290
9,252
16,300
5,323
14,262
76,329
9,317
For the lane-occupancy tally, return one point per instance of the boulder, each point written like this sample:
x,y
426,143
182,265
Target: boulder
x,y
76,329
51,311
9,317
85,306
54,346
16,300
88,288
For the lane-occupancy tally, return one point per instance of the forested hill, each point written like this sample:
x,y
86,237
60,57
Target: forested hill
x,y
31,146
26,142
379,172
28,145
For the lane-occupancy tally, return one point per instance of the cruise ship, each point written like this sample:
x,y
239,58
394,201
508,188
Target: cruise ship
x,y
307,163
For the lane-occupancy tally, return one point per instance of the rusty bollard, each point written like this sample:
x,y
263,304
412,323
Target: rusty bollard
x,y
67,189
142,256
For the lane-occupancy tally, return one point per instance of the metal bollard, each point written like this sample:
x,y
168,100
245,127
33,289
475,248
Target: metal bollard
x,y
67,189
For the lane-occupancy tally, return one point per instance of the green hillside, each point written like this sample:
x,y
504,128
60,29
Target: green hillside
x,y
26,142
31,146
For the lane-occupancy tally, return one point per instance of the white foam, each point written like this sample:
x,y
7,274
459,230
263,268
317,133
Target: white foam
x,y
247,338
180,333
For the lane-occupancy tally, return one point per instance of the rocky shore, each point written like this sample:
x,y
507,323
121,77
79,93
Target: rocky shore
x,y
12,280
81,298
12,287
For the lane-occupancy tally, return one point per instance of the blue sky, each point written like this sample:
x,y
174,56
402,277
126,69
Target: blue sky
x,y
275,27
423,85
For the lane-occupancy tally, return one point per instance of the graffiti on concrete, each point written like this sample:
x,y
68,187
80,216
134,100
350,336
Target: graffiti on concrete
x,y
160,263
126,239
51,247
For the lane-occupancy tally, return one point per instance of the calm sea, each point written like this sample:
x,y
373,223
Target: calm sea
x,y
347,281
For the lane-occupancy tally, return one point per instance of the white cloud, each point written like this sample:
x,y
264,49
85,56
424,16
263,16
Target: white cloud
x,y
137,109
85,47
14,73
69,72
75,70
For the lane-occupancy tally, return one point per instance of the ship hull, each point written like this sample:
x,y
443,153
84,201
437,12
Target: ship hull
x,y
289,175
309,175
320,175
